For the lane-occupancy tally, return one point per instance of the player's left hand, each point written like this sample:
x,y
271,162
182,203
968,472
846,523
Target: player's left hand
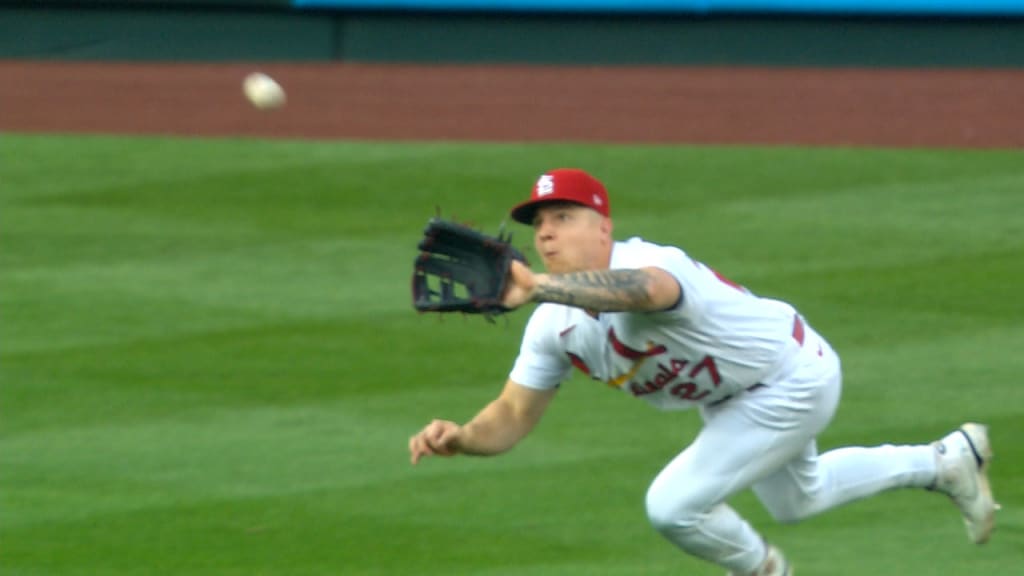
x,y
460,269
521,283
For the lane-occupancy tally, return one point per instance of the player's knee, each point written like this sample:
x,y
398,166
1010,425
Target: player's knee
x,y
671,510
787,515
793,509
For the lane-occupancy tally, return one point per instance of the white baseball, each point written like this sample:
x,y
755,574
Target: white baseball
x,y
263,91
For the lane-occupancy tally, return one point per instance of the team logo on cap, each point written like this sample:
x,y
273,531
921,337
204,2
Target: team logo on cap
x,y
545,185
597,200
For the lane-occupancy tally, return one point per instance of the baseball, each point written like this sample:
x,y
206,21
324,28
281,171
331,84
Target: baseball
x,y
263,91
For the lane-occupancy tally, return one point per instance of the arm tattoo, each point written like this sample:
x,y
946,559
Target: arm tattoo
x,y
598,290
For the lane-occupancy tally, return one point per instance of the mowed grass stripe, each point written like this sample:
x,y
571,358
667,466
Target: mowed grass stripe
x,y
210,364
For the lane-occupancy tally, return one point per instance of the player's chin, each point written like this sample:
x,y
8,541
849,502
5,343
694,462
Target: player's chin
x,y
555,265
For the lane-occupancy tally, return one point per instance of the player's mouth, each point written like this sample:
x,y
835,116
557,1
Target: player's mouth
x,y
550,259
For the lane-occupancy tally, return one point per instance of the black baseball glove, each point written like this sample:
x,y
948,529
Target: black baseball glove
x,y
462,270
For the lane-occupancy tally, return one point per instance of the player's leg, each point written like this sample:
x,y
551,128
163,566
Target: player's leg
x,y
742,442
955,465
813,483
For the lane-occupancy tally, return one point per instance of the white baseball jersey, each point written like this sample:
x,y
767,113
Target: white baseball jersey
x,y
719,339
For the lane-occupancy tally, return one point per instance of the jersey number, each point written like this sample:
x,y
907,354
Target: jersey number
x,y
691,390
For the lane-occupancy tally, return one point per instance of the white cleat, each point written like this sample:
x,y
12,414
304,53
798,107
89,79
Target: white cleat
x,y
774,565
962,457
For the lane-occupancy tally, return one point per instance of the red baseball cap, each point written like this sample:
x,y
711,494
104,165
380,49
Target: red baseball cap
x,y
563,185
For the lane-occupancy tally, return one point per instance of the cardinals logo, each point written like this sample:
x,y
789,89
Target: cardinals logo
x,y
545,185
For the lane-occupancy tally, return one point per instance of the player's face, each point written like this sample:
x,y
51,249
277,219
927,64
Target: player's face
x,y
571,238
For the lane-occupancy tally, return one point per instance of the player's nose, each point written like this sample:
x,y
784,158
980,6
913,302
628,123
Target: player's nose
x,y
543,229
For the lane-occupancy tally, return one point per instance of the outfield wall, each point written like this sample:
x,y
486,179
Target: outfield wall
x,y
420,31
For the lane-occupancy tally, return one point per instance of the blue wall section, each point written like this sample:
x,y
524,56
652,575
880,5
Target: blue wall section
x,y
848,7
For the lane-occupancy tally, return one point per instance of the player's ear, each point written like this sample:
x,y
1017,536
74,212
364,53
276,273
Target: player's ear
x,y
606,225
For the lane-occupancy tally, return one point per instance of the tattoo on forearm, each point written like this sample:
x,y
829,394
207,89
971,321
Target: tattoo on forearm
x,y
602,291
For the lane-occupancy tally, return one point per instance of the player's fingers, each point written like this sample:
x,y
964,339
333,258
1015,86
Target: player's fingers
x,y
418,448
443,445
433,435
433,440
447,436
421,451
434,445
414,457
435,431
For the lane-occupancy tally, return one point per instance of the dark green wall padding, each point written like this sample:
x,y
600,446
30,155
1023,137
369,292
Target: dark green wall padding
x,y
187,31
797,41
163,34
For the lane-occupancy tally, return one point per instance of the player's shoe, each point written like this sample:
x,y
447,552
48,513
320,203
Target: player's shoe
x,y
962,457
774,565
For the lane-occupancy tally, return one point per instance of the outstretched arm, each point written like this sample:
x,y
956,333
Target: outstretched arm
x,y
643,289
495,429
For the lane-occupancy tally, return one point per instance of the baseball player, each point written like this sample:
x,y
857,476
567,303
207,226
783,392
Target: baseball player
x,y
667,329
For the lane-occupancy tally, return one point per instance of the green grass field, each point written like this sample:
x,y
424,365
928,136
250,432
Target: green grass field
x,y
210,364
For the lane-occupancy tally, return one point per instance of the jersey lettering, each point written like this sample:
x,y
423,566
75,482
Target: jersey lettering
x,y
665,375
690,390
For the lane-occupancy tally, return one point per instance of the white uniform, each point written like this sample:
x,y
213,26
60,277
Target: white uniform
x,y
765,382
719,340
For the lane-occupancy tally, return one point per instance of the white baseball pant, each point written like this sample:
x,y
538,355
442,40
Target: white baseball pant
x,y
765,439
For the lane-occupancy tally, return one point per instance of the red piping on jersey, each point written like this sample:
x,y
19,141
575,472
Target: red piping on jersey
x,y
579,363
798,329
630,353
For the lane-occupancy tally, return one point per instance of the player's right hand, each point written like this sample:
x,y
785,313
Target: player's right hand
x,y
436,439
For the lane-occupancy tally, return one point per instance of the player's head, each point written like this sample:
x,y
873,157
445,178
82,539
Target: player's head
x,y
569,212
